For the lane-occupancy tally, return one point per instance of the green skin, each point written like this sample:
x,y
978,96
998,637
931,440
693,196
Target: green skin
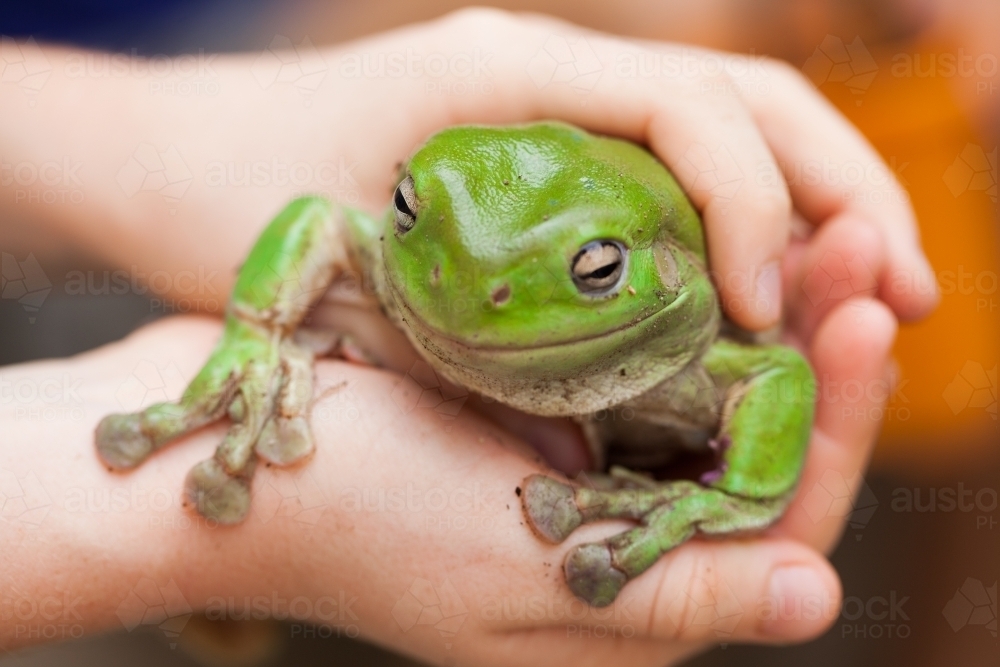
x,y
478,261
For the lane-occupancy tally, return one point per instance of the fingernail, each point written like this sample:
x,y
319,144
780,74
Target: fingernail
x,y
768,292
797,603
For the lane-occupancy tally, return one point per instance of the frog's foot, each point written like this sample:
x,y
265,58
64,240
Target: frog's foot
x,y
269,412
551,507
555,509
123,442
126,440
264,385
596,572
217,493
286,437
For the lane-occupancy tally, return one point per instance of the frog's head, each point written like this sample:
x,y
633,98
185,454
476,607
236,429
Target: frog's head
x,y
548,268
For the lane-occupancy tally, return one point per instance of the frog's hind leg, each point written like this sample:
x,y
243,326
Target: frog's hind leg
x,y
596,572
761,442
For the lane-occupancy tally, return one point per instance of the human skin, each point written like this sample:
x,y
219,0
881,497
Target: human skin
x,y
376,556
370,124
82,560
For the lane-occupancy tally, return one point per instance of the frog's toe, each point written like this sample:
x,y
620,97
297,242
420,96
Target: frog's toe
x,y
285,441
591,575
216,494
121,441
550,507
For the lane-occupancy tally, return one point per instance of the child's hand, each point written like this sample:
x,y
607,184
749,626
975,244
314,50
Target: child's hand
x,y
749,148
396,506
748,138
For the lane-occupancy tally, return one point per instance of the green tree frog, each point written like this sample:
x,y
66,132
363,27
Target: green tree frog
x,y
587,268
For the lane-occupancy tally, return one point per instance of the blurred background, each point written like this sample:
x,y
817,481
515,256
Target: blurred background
x,y
918,77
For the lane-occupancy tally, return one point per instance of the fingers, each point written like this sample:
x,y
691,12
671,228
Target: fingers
x,y
840,261
850,355
758,590
714,148
711,143
716,591
401,509
745,136
457,519
833,172
691,120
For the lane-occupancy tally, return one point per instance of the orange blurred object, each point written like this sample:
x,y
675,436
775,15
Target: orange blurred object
x,y
945,407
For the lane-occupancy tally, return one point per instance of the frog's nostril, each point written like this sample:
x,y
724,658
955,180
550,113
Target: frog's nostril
x,y
501,295
436,275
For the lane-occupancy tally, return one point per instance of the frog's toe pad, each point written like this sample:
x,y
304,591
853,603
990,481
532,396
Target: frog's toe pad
x,y
550,507
121,442
591,575
285,441
216,494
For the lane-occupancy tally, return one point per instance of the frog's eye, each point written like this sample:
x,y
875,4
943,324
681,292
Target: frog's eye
x,y
405,203
598,266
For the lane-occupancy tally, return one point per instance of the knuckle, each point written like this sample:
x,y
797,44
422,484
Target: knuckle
x,y
785,73
480,18
712,66
771,204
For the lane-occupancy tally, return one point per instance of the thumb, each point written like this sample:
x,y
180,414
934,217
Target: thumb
x,y
767,590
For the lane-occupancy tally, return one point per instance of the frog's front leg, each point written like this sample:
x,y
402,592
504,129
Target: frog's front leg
x,y
256,375
765,424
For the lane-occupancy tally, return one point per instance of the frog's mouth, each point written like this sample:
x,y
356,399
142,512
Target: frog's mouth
x,y
576,376
571,377
621,346
421,328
